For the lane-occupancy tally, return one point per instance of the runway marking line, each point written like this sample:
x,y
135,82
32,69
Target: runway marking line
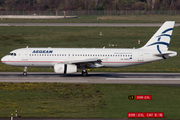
x,y
47,81
154,79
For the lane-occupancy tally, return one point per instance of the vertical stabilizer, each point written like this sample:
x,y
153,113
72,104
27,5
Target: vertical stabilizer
x,y
161,39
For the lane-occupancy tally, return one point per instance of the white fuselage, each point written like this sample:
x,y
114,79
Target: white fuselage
x,y
48,57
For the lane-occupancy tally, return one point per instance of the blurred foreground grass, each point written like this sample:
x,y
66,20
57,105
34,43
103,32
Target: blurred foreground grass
x,y
86,100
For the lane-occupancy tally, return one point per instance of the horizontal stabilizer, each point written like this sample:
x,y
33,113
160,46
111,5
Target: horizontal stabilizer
x,y
167,54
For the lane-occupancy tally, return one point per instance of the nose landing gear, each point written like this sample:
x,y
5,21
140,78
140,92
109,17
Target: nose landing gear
x,y
25,71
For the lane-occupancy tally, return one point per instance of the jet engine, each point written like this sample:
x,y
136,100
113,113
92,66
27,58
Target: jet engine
x,y
65,68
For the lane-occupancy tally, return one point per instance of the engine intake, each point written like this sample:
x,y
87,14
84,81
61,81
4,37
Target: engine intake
x,y
65,68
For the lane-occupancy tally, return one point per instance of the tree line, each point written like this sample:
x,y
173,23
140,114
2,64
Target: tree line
x,y
97,5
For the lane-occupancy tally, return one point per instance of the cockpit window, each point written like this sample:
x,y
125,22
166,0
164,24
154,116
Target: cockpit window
x,y
12,54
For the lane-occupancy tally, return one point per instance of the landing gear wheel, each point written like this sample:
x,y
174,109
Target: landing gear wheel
x,y
84,73
24,73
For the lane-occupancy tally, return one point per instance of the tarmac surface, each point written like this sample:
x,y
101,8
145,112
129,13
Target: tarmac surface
x,y
34,17
94,78
88,24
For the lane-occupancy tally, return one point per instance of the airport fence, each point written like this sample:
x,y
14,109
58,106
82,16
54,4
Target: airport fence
x,y
83,13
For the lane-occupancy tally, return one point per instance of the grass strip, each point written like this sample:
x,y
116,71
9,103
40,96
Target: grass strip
x,y
86,100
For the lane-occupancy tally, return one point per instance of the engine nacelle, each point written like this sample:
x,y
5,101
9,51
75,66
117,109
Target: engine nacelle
x,y
65,68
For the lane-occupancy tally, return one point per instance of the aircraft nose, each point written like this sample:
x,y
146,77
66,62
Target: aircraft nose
x,y
3,60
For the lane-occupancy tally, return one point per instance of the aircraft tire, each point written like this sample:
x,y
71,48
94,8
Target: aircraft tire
x,y
25,73
84,73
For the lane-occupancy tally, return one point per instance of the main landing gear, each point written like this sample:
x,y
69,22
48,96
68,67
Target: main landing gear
x,y
25,71
84,72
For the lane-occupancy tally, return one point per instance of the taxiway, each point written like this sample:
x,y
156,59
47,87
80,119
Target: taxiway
x,y
93,77
88,24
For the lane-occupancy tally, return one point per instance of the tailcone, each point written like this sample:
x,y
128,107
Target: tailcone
x,y
173,54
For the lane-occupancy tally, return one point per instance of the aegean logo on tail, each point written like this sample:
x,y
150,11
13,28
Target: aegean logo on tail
x,y
159,38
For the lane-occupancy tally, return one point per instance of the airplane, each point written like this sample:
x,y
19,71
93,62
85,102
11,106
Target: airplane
x,y
68,60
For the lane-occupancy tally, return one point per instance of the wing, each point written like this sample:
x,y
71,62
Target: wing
x,y
88,63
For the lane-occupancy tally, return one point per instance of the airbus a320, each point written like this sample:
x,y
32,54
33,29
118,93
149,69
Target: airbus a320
x,y
68,60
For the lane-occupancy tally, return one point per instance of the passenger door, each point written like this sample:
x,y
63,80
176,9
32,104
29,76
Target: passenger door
x,y
140,56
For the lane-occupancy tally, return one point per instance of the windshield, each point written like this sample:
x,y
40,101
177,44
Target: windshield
x,y
12,54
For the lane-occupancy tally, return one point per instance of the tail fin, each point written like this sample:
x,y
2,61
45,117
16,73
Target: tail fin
x,y
161,39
